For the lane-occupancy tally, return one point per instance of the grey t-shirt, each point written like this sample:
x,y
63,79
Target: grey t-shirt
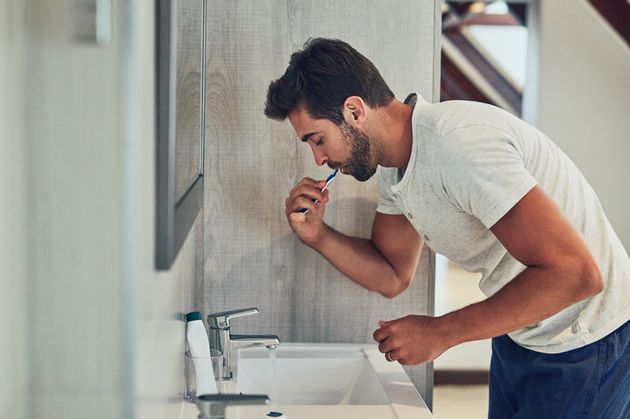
x,y
470,164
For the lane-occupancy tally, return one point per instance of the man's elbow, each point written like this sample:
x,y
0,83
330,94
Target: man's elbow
x,y
591,280
396,286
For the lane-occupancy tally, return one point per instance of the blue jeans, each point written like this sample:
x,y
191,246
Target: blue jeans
x,y
588,382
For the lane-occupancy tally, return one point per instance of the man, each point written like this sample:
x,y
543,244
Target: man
x,y
491,193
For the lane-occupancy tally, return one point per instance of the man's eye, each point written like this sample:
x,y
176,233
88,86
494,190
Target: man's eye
x,y
319,142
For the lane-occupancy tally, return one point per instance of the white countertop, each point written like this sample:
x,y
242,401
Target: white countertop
x,y
406,403
320,412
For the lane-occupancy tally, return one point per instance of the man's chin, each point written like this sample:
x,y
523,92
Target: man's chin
x,y
361,176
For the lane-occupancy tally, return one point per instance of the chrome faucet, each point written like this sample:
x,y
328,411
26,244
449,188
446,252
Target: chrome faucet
x,y
221,339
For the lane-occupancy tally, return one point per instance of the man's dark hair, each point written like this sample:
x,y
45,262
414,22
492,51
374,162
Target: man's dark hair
x,y
321,76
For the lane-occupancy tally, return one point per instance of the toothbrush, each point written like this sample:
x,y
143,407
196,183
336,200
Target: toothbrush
x,y
329,180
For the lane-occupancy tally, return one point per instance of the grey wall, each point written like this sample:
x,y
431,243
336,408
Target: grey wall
x,y
251,256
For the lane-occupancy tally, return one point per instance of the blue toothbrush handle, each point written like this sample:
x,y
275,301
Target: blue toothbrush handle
x,y
329,179
305,210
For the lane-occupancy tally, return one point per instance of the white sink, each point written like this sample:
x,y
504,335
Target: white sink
x,y
332,381
313,375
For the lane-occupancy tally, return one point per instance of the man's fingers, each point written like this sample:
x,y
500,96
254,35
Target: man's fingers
x,y
386,346
307,181
393,356
308,189
297,217
380,335
302,202
312,192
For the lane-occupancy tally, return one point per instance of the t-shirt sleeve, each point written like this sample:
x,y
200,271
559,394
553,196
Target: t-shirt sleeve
x,y
483,174
385,179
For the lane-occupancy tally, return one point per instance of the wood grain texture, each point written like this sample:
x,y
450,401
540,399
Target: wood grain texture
x,y
188,123
252,257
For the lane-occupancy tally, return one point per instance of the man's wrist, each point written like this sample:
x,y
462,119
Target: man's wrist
x,y
452,329
318,241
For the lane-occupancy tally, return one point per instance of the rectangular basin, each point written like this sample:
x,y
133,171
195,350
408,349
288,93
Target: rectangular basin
x,y
321,380
311,375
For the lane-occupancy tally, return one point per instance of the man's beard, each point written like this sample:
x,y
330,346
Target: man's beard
x,y
360,163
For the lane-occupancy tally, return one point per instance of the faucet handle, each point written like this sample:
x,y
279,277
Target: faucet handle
x,y
222,320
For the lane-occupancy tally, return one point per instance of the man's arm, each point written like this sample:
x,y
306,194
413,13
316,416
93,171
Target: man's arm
x,y
385,263
560,272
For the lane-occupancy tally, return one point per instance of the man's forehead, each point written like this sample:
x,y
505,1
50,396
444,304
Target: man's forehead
x,y
301,116
304,124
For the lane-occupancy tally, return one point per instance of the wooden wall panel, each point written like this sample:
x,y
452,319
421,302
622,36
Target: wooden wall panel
x,y
252,257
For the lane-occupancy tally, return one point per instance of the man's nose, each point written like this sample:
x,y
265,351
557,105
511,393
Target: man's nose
x,y
320,158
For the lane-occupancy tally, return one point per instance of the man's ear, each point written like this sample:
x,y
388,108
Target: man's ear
x,y
354,111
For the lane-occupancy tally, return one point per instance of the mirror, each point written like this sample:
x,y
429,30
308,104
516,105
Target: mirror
x,y
180,113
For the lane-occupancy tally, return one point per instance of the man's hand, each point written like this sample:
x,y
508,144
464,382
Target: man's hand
x,y
308,227
412,340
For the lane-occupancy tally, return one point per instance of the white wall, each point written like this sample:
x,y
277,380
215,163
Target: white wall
x,y
156,301
13,307
105,336
455,289
74,210
584,100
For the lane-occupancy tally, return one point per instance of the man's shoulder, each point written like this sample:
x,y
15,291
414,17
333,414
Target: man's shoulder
x,y
460,117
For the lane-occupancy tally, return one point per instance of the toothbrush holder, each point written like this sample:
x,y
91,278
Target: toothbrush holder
x,y
189,371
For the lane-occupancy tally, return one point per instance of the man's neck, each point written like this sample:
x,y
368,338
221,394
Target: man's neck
x,y
394,134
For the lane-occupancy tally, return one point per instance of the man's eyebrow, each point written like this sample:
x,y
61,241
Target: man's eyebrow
x,y
307,136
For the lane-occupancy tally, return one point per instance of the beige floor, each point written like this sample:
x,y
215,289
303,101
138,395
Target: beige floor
x,y
460,402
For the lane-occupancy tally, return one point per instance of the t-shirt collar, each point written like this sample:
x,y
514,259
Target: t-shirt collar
x,y
415,100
